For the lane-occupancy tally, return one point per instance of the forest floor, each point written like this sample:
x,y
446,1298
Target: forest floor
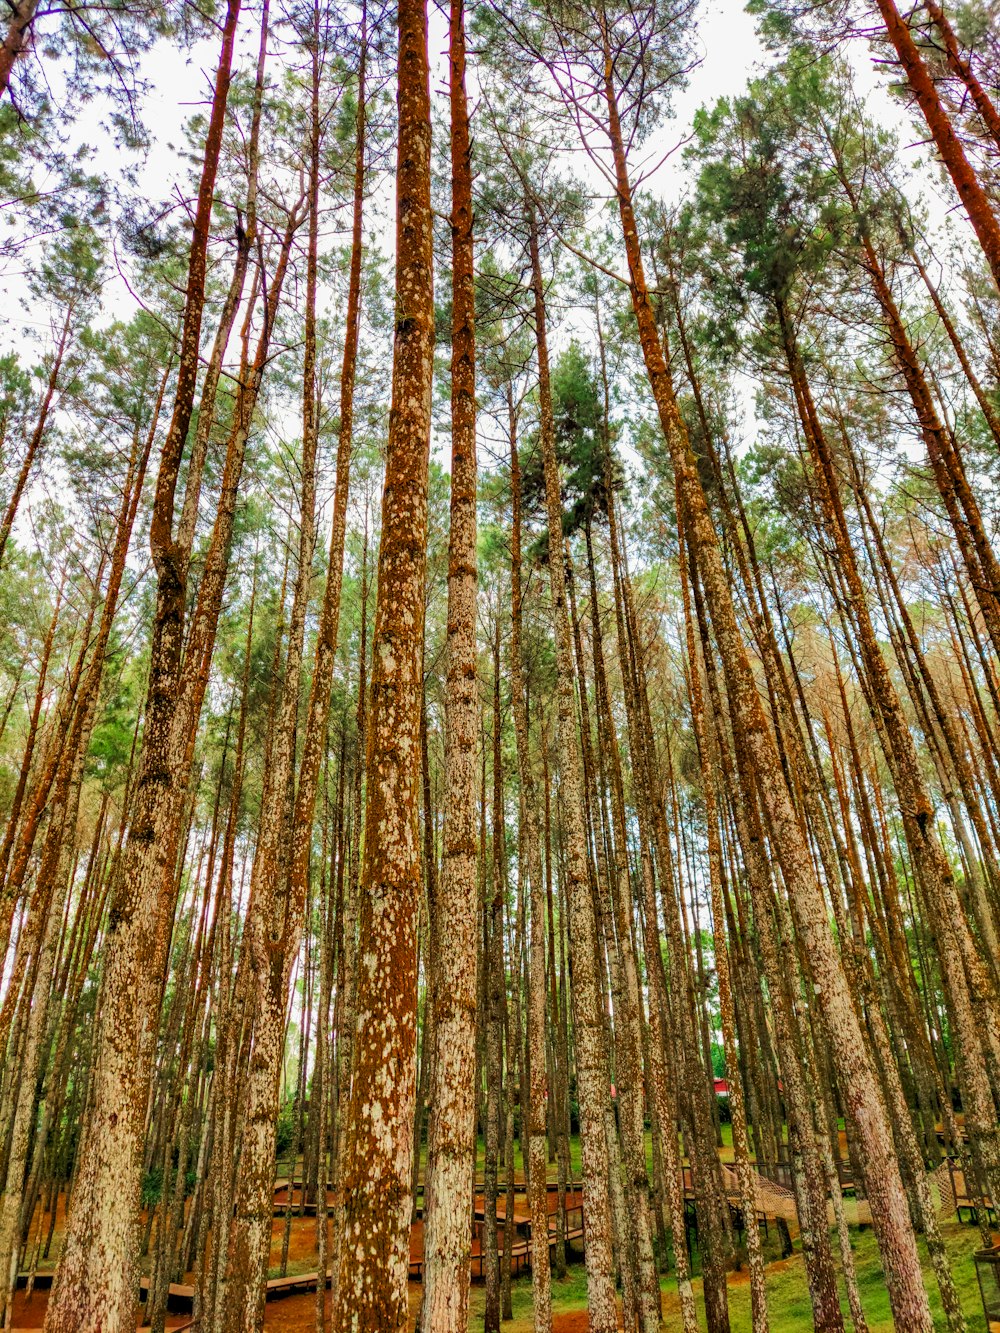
x,y
787,1291
788,1296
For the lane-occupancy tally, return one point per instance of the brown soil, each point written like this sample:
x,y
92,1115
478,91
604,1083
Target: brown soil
x,y
294,1314
301,1244
29,1312
297,1314
577,1321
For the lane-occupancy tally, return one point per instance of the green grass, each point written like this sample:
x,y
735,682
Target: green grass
x,y
788,1296
787,1292
568,1293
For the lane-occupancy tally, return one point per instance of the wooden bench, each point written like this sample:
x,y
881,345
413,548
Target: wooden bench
x,y
180,1297
288,1286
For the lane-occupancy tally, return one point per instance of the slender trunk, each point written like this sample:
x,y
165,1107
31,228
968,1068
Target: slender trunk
x,y
346,991
588,1026
962,69
38,434
741,1148
54,872
8,899
854,1065
967,981
451,1133
985,406
628,1015
280,883
967,184
376,1176
494,984
142,912
663,1088
538,1091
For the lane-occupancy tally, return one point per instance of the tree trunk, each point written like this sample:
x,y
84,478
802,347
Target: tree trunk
x,y
588,1026
532,860
451,1132
741,1148
15,39
885,1188
38,434
376,1176
970,191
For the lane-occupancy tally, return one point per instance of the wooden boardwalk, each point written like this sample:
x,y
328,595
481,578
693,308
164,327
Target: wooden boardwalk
x,y
520,1250
773,1198
181,1295
180,1299
520,1253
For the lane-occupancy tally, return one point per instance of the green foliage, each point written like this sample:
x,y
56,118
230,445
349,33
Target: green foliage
x,y
766,207
152,1187
286,1129
114,731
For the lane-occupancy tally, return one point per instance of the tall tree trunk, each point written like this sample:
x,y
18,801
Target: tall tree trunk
x,y
105,1207
588,1025
346,990
662,1046
278,911
970,991
495,982
10,893
45,408
964,178
451,1133
376,1176
96,1279
961,67
628,1015
741,1148
541,1281
885,1187
53,877
985,405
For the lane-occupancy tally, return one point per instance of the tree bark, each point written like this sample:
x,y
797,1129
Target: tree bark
x,y
541,1278
588,1026
451,1132
376,1177
885,1188
970,191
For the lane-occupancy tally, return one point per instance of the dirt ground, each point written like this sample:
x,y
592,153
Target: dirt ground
x,y
295,1313
577,1321
29,1312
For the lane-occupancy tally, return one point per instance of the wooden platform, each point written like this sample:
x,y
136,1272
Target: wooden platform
x,y
520,1255
955,1196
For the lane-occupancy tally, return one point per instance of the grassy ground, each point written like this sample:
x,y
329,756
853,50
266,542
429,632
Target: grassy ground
x,y
787,1293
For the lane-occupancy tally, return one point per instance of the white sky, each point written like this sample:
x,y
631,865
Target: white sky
x,y
731,54
180,82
